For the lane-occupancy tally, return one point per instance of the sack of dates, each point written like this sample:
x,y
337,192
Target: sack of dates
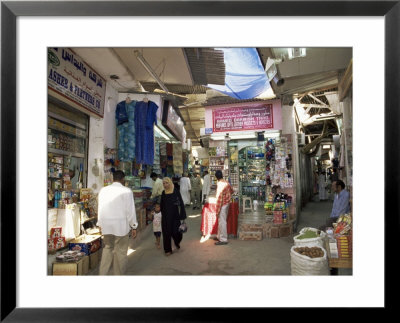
x,y
309,260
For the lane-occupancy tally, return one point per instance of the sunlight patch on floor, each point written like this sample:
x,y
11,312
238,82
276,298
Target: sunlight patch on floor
x,y
130,251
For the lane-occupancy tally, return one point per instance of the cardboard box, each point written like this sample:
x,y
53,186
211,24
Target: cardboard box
x,y
56,232
267,230
68,268
274,232
284,231
94,259
251,227
248,236
86,243
56,243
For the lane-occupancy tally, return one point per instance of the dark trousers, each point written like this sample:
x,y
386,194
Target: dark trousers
x,y
171,233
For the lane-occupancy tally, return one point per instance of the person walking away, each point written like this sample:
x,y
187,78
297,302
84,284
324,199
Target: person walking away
x,y
157,188
176,181
196,191
341,203
321,186
206,186
224,195
185,188
157,224
116,217
173,211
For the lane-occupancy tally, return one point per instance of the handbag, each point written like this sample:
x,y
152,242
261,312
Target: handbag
x,y
183,227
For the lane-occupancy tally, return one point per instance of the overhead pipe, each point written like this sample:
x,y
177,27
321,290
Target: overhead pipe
x,y
150,70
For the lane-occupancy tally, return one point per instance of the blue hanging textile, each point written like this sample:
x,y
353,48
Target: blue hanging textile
x,y
131,138
245,77
121,114
145,117
126,130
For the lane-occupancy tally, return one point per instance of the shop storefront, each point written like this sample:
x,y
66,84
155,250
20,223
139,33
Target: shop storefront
x,y
76,99
249,144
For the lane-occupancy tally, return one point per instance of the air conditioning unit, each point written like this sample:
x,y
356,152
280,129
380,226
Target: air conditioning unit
x,y
301,139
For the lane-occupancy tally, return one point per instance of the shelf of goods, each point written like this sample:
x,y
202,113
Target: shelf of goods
x,y
234,170
71,218
218,160
65,139
339,244
278,222
252,173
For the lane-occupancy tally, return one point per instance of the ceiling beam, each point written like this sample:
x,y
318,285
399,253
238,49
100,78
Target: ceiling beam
x,y
318,100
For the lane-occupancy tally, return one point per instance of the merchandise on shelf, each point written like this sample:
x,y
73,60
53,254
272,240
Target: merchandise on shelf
x,y
252,173
110,161
277,208
279,168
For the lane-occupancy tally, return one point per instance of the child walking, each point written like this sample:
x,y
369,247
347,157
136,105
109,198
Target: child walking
x,y
157,224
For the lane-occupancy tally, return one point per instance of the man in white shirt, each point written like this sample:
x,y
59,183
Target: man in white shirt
x,y
206,186
158,188
185,188
116,217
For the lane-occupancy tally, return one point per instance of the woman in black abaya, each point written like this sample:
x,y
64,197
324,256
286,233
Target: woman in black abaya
x,y
172,212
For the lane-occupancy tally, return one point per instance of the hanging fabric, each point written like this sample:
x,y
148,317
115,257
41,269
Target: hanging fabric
x,y
125,119
121,115
145,118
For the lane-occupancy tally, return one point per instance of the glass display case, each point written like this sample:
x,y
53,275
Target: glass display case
x,y
251,164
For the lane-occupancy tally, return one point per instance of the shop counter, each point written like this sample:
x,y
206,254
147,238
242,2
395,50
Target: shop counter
x,y
209,220
338,262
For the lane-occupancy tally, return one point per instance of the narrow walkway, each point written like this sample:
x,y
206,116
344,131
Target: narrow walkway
x,y
265,257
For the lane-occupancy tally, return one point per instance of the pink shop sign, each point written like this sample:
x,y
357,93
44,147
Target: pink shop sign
x,y
243,118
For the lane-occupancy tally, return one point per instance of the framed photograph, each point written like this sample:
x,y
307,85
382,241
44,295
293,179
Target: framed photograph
x,y
372,28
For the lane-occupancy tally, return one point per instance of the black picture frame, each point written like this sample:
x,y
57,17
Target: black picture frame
x,y
10,10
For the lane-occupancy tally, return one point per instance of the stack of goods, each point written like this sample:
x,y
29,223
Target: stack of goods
x,y
71,263
70,256
276,223
56,240
341,237
277,208
88,244
55,171
177,159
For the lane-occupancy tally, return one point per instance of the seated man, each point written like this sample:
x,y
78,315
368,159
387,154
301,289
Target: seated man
x,y
341,202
